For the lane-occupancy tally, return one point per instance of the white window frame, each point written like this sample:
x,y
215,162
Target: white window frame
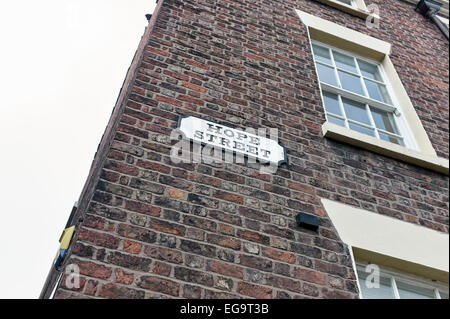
x,y
337,35
400,122
444,20
357,8
352,3
394,276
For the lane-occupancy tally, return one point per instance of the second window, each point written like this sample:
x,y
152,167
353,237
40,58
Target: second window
x,y
356,95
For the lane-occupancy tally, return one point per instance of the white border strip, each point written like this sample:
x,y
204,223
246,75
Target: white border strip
x,y
389,236
345,33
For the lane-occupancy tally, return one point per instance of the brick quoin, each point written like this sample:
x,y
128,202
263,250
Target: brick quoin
x,y
151,228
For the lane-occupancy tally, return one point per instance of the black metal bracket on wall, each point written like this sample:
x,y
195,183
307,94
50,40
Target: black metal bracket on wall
x,y
429,9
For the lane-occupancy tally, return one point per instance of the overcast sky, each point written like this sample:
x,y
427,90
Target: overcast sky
x,y
62,64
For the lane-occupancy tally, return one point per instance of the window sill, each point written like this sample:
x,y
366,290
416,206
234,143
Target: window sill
x,y
345,135
391,242
359,12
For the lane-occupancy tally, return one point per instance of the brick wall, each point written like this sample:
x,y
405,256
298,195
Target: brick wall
x,y
154,229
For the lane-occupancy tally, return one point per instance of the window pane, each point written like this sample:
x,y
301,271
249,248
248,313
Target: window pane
x,y
356,111
444,295
361,129
384,291
407,291
390,138
351,83
335,120
370,71
331,103
322,54
345,62
384,120
326,74
349,2
378,92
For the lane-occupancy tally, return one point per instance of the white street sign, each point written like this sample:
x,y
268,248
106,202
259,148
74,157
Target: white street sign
x,y
223,137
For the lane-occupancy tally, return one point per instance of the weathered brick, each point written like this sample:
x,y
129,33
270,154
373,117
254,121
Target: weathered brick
x,y
226,218
94,222
166,227
122,277
197,248
129,261
210,294
82,250
203,201
69,283
132,247
256,262
253,236
225,269
161,269
159,285
146,186
91,287
278,255
136,233
175,182
193,276
99,239
283,283
175,193
142,208
230,177
229,197
254,214
201,223
192,292
310,275
114,189
164,254
119,292
254,291
107,212
224,241
91,269
122,168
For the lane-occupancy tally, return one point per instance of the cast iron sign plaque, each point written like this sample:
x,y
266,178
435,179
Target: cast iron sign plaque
x,y
235,140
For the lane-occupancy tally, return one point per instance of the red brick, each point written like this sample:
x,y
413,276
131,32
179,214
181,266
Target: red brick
x,y
73,283
123,278
153,166
192,292
99,239
166,227
175,193
164,254
119,292
310,275
142,208
225,269
254,291
229,197
253,236
160,285
161,269
137,233
91,269
122,168
194,87
279,255
224,241
132,247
